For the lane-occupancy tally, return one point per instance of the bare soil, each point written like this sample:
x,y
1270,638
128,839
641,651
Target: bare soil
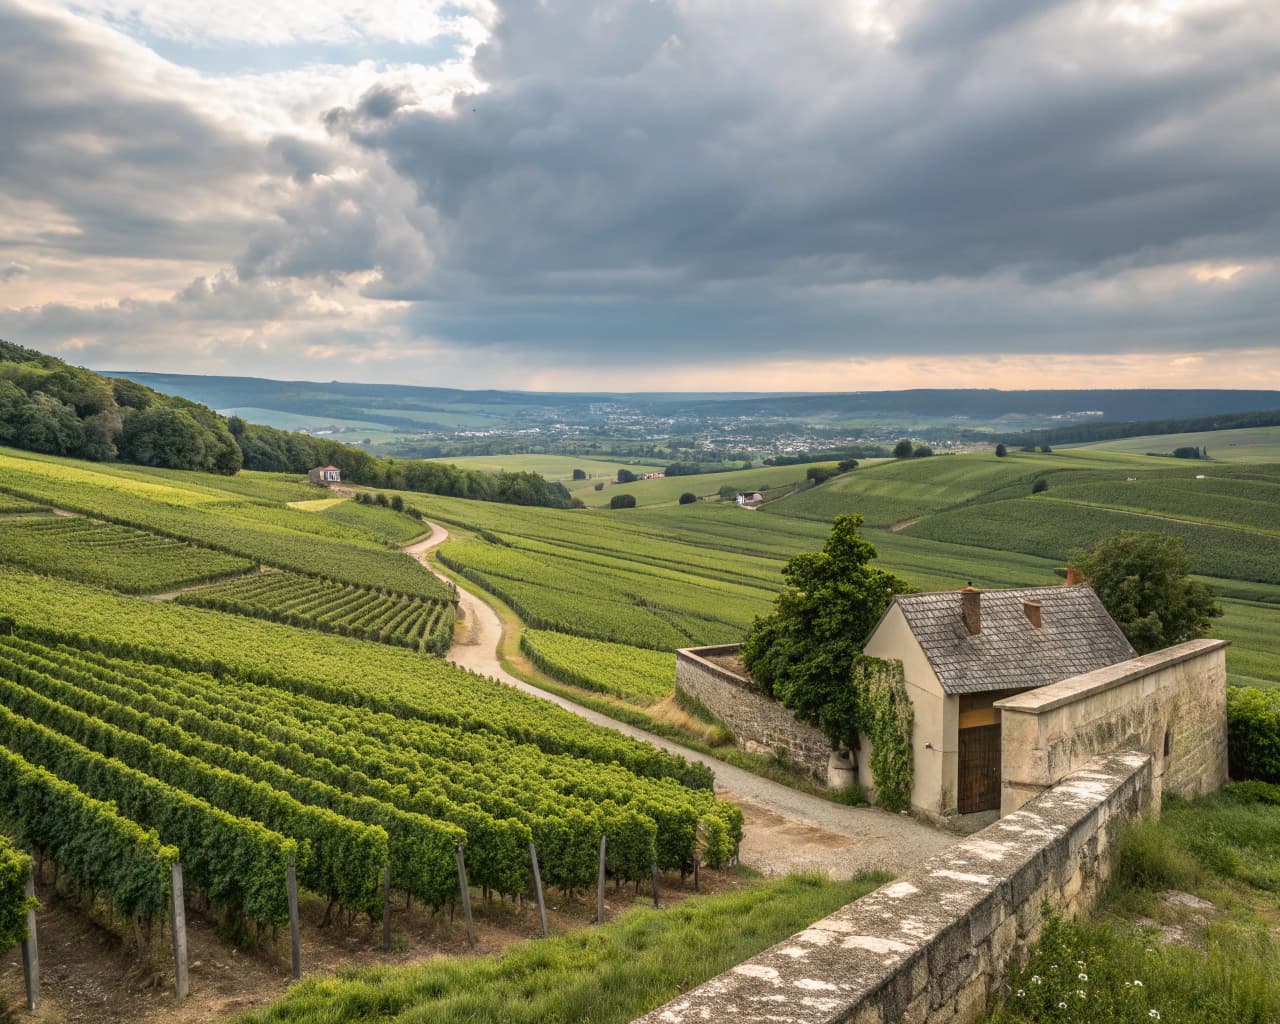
x,y
90,976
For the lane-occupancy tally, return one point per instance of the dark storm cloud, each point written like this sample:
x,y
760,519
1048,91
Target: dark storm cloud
x,y
665,171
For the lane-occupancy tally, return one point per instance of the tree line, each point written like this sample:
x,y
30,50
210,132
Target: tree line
x,y
51,407
1083,433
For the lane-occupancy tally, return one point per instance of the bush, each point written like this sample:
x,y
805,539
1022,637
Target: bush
x,y
902,450
579,474
600,486
1040,486
922,452
1253,733
625,476
688,498
622,501
1001,451
397,503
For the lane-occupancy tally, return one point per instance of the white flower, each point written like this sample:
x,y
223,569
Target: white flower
x,y
1079,963
1035,979
1022,992
1062,1006
1082,976
1080,992
1137,983
1153,1014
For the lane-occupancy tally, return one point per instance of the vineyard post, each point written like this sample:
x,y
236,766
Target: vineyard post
x,y
295,940
695,873
537,888
178,897
600,884
655,885
31,951
386,908
466,897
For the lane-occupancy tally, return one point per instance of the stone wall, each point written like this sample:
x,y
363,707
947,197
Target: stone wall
x,y
934,945
760,724
1179,692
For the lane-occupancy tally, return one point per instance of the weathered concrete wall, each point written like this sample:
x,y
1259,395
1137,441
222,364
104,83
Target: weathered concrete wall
x,y
1049,732
760,724
934,945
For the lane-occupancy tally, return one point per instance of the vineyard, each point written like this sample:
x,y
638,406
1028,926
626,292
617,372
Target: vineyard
x,y
259,530
241,776
112,556
369,614
636,675
15,869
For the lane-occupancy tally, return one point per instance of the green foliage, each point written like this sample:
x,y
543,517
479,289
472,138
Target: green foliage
x,y
1002,451
1142,580
903,449
102,852
1040,486
688,498
579,474
622,501
922,451
113,556
804,653
15,869
632,673
399,619
607,975
1253,733
625,476
887,720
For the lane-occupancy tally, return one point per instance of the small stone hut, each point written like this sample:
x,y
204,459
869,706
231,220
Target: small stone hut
x,y
325,475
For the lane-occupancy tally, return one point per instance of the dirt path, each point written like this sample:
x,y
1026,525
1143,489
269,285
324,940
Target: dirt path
x,y
902,524
786,830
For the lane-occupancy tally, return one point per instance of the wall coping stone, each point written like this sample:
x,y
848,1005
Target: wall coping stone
x,y
1068,691
912,947
700,656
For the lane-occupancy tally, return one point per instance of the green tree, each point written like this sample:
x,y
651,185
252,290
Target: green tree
x,y
922,452
1143,581
622,501
1040,486
804,653
1001,451
688,498
728,492
903,449
579,474
625,476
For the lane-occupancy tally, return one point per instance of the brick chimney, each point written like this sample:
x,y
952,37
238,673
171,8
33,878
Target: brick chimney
x,y
971,609
1073,577
1031,609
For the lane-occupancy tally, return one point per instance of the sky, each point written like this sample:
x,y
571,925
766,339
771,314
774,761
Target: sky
x,y
636,195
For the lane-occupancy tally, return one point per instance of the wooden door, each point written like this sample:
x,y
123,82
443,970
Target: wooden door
x,y
979,785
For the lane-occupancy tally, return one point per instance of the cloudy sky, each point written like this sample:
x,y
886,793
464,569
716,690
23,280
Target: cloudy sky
x,y
631,194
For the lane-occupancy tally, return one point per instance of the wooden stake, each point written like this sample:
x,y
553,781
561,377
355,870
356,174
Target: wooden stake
x,y
600,884
386,909
31,953
179,918
466,897
695,874
655,885
291,885
537,888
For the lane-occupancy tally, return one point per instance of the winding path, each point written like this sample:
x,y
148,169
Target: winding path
x,y
786,830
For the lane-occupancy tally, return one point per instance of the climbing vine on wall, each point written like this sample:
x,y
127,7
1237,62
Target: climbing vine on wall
x,y
887,720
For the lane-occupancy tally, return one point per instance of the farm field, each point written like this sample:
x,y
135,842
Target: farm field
x,y
1248,444
262,530
113,556
333,608
634,674
704,485
553,467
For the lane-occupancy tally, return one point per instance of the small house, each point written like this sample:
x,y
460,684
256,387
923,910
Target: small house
x,y
963,650
325,475
750,499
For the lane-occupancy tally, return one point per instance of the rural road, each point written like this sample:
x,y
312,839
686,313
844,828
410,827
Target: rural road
x,y
786,830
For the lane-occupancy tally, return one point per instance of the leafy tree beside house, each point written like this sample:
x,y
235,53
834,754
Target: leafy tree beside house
x,y
807,651
1144,582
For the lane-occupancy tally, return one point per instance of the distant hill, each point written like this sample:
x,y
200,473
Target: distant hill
x,y
430,408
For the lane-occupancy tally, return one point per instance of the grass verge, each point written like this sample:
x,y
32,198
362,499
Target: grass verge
x,y
602,975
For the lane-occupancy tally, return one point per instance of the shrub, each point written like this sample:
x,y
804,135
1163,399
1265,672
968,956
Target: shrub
x,y
1001,451
600,486
1253,733
622,501
902,450
1040,486
688,498
922,452
579,474
397,503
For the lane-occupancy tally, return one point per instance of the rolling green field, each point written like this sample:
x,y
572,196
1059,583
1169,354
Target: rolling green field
x,y
667,491
553,467
1250,444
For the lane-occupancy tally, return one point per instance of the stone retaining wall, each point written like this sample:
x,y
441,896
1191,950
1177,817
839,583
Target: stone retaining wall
x,y
760,724
934,945
1171,704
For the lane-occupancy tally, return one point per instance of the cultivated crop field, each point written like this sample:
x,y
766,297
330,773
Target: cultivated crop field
x,y
1248,444
667,491
334,608
637,676
113,556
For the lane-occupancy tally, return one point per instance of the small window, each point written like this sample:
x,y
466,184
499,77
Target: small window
x,y
1168,743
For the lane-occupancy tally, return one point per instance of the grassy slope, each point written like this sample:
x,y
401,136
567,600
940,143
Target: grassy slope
x,y
606,975
704,485
1249,444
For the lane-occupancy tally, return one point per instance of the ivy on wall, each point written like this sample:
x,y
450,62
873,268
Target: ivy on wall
x,y
887,720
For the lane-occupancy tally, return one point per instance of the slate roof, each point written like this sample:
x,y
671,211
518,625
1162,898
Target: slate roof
x,y
1076,635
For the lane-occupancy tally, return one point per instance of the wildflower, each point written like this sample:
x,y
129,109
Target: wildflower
x,y
1153,1014
1080,992
1035,979
1137,983
1062,1006
1079,963
1021,992
1082,976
